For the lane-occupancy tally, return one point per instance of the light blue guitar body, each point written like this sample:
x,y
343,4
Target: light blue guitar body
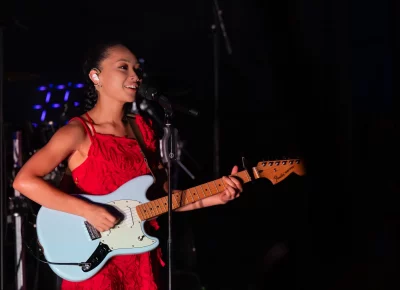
x,y
66,238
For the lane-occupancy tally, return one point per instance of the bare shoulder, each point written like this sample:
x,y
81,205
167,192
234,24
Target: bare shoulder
x,y
62,144
71,134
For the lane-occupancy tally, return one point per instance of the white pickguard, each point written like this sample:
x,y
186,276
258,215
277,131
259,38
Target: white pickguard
x,y
128,233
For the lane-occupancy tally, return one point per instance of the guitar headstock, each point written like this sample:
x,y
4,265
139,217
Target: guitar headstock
x,y
278,170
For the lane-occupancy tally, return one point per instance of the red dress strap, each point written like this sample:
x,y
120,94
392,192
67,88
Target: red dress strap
x,y
87,129
91,123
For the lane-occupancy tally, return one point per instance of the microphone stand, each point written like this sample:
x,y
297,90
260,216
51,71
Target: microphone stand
x,y
169,152
167,158
217,27
168,111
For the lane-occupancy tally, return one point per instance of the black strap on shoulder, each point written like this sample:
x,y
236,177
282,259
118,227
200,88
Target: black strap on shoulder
x,y
139,137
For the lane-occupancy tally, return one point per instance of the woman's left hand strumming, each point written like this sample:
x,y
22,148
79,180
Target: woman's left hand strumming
x,y
233,187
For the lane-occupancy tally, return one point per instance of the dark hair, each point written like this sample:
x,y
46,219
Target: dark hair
x,y
93,59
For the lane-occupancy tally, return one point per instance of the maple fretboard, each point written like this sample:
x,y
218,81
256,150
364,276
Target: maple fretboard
x,y
159,206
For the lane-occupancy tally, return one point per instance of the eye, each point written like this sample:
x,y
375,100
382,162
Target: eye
x,y
125,67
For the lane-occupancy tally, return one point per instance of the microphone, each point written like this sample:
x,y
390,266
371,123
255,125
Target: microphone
x,y
151,94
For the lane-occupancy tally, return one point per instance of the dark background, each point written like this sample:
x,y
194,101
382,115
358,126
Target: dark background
x,y
310,79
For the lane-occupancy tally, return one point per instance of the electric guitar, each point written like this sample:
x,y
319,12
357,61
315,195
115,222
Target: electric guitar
x,y
76,251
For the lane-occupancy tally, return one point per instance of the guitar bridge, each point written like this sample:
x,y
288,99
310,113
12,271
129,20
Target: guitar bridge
x,y
93,233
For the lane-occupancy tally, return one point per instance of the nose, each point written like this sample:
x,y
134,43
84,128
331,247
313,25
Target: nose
x,y
135,78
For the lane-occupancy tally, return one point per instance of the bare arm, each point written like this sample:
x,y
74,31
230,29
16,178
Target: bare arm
x,y
209,201
29,180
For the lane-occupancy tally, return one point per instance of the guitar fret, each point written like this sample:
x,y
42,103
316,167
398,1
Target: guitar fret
x,y
165,203
178,198
201,186
186,200
160,202
139,210
197,193
215,186
147,210
161,205
248,176
152,209
143,214
156,206
221,182
209,188
190,194
174,199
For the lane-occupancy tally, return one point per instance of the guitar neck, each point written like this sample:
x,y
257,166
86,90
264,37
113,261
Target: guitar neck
x,y
159,206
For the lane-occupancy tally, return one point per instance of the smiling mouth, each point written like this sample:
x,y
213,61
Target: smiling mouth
x,y
132,87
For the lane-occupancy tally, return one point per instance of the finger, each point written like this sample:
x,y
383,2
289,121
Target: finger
x,y
107,226
234,184
225,196
237,183
100,228
235,169
107,223
228,181
110,218
230,191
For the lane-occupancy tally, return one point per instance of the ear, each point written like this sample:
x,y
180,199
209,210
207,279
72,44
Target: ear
x,y
94,75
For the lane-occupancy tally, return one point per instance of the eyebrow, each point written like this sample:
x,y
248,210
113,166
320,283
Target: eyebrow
x,y
126,60
135,64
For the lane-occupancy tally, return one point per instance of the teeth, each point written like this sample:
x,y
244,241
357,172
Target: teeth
x,y
132,87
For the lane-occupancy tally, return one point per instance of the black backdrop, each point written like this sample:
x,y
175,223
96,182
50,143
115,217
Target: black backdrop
x,y
314,79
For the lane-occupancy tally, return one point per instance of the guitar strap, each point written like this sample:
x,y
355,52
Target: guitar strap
x,y
138,135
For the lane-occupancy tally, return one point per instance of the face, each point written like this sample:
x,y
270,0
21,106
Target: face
x,y
117,78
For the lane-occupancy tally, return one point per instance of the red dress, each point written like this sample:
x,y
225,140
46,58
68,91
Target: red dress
x,y
111,162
